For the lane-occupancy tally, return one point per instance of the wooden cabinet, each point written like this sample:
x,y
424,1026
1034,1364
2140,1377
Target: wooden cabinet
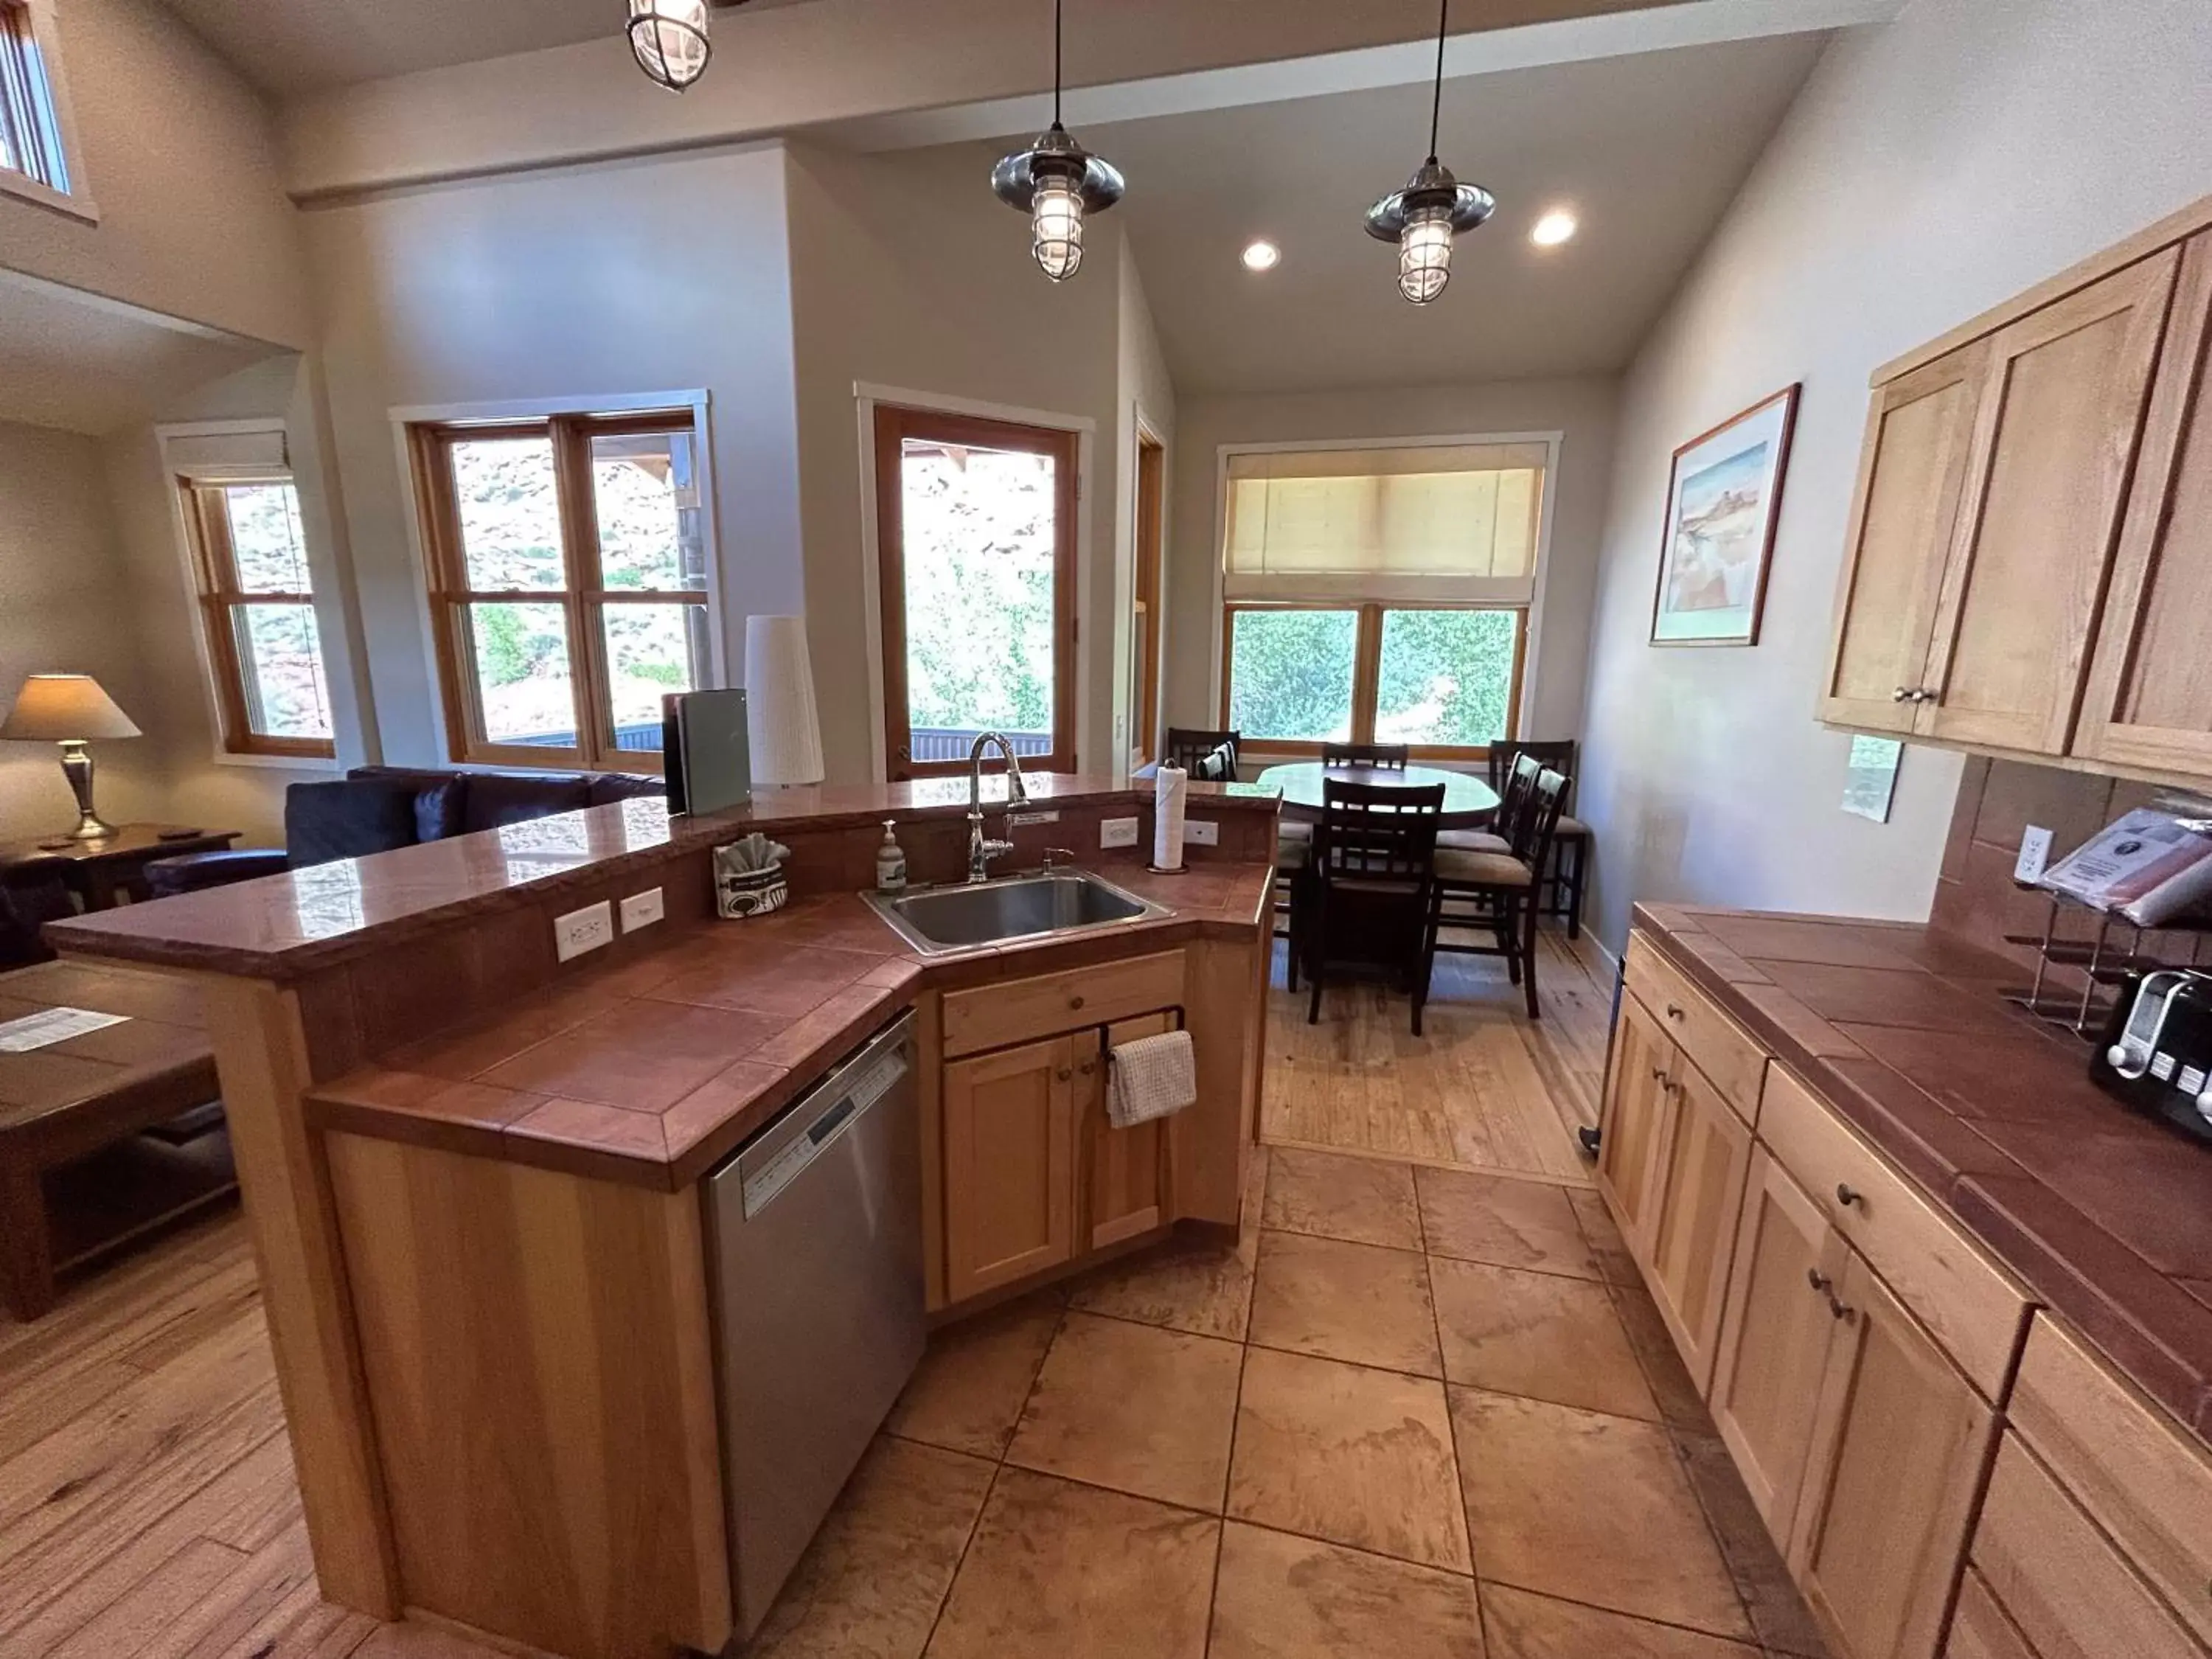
x,y
1900,1441
2149,701
1912,473
1637,1101
1729,1055
1123,1178
1980,1629
1700,1168
1774,1343
1009,1144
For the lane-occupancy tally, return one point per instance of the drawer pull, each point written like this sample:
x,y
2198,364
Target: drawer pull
x,y
1673,1010
1847,1196
1659,1075
1075,1001
1819,1281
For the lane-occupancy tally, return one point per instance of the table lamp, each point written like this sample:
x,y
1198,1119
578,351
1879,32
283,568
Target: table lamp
x,y
70,709
786,735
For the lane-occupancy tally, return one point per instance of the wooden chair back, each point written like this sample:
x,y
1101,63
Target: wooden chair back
x,y
1378,835
1187,745
1514,796
1531,839
1557,753
1384,757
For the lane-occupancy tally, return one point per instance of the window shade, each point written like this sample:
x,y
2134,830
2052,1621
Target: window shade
x,y
1450,523
227,457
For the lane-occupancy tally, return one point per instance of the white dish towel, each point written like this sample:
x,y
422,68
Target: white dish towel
x,y
1150,1077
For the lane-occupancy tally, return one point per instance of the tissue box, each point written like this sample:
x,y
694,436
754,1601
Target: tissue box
x,y
738,894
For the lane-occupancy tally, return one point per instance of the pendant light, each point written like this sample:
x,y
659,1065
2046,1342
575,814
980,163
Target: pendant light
x,y
669,39
1056,181
1434,206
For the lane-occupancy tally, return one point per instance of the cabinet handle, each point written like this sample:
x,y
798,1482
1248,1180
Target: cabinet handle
x,y
1659,1074
1903,694
1819,1281
1088,1068
1841,1311
1923,694
1075,1001
1673,1010
1063,1075
1847,1196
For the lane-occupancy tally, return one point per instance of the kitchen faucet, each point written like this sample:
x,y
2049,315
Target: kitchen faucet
x,y
981,851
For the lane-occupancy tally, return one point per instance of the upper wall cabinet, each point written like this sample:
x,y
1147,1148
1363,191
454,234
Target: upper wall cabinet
x,y
2030,560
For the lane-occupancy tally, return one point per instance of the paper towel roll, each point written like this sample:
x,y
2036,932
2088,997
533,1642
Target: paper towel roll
x,y
785,733
1171,789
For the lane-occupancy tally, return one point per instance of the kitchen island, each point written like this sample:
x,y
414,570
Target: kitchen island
x,y
473,1171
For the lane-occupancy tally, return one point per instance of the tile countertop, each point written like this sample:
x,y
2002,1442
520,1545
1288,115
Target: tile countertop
x,y
281,926
653,1071
2106,1216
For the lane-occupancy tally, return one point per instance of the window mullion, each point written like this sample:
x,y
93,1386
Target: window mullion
x,y
1366,662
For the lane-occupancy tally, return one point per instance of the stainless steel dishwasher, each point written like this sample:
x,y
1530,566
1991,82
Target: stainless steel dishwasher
x,y
814,1244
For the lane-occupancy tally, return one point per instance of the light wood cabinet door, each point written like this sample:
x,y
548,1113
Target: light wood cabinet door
x,y
1900,1441
1698,1198
1637,1102
1912,470
2056,422
1123,1177
1774,1341
2149,703
1980,1628
1009,1139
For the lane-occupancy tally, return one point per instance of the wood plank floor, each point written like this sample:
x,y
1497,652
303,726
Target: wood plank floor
x,y
1483,1088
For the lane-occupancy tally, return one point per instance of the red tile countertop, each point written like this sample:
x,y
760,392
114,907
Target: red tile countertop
x,y
653,1071
2104,1215
281,926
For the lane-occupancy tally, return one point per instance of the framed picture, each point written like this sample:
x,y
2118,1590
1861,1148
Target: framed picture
x,y
1722,502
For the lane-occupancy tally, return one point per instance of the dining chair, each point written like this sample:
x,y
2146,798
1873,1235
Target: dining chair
x,y
1512,801
1565,881
1497,891
1190,746
1383,757
1363,899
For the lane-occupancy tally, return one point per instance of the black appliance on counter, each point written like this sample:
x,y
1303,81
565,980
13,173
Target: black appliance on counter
x,y
2156,1051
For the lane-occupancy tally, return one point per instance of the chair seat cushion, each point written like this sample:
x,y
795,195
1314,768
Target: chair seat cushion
x,y
1568,830
1465,869
1471,841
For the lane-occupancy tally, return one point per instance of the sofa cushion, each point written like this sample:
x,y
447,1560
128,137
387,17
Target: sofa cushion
x,y
188,872
348,818
608,786
440,808
502,797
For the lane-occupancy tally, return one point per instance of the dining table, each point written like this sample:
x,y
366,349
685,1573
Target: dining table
x,y
1469,801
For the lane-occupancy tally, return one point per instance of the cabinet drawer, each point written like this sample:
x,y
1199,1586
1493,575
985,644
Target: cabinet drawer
x,y
2144,1481
2072,1594
1971,1306
991,1016
1716,1045
1980,1629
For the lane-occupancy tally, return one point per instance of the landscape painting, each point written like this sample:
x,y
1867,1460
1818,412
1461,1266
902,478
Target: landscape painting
x,y
1722,500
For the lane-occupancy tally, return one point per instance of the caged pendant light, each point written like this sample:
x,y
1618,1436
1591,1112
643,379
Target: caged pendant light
x,y
1434,206
1056,181
669,39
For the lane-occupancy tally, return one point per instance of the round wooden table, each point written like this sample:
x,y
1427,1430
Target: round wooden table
x,y
1469,802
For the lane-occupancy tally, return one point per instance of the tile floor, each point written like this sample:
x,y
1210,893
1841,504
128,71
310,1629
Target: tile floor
x,y
1417,1412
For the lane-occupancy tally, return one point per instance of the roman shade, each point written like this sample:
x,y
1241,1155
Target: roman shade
x,y
217,457
1453,524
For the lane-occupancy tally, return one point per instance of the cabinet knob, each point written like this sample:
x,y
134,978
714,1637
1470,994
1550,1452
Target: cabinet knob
x,y
1658,1073
1063,1075
1842,1311
1088,1068
1673,1010
1903,694
1075,1001
1847,1196
1819,1281
1923,694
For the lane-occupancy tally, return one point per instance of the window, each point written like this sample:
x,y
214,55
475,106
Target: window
x,y
975,543
257,608
567,583
30,133
1380,595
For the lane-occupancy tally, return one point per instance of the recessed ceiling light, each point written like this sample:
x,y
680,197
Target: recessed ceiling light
x,y
1261,255
1554,229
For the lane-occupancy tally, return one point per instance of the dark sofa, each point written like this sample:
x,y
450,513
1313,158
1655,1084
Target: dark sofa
x,y
376,808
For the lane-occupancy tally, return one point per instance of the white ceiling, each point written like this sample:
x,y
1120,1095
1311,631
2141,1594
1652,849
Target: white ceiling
x,y
86,363
285,48
1647,150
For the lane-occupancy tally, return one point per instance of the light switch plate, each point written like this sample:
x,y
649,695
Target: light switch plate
x,y
2034,855
1201,832
583,930
1117,832
643,909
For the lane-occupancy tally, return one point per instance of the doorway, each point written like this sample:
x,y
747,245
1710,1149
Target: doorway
x,y
976,521
1145,605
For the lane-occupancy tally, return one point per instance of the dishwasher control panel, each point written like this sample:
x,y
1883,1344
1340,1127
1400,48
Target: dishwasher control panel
x,y
761,1185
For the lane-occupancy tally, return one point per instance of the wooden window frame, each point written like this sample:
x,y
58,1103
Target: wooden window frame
x,y
1366,675
221,595
893,424
1144,603
582,598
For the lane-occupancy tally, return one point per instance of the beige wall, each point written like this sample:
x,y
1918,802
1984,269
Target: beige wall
x,y
1930,168
907,273
180,156
1582,410
64,608
607,281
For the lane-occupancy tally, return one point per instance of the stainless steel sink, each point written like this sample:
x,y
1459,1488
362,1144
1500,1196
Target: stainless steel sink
x,y
935,920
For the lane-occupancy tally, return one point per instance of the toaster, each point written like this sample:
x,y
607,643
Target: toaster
x,y
2156,1051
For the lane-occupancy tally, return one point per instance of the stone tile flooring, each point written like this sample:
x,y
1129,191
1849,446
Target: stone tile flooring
x,y
1417,1413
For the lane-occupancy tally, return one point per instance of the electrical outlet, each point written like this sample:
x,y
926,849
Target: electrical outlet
x,y
1201,832
1117,832
583,930
643,909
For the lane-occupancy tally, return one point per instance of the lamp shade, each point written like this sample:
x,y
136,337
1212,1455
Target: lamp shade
x,y
63,708
784,731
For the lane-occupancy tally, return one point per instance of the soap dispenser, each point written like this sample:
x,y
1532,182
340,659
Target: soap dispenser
x,y
890,861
